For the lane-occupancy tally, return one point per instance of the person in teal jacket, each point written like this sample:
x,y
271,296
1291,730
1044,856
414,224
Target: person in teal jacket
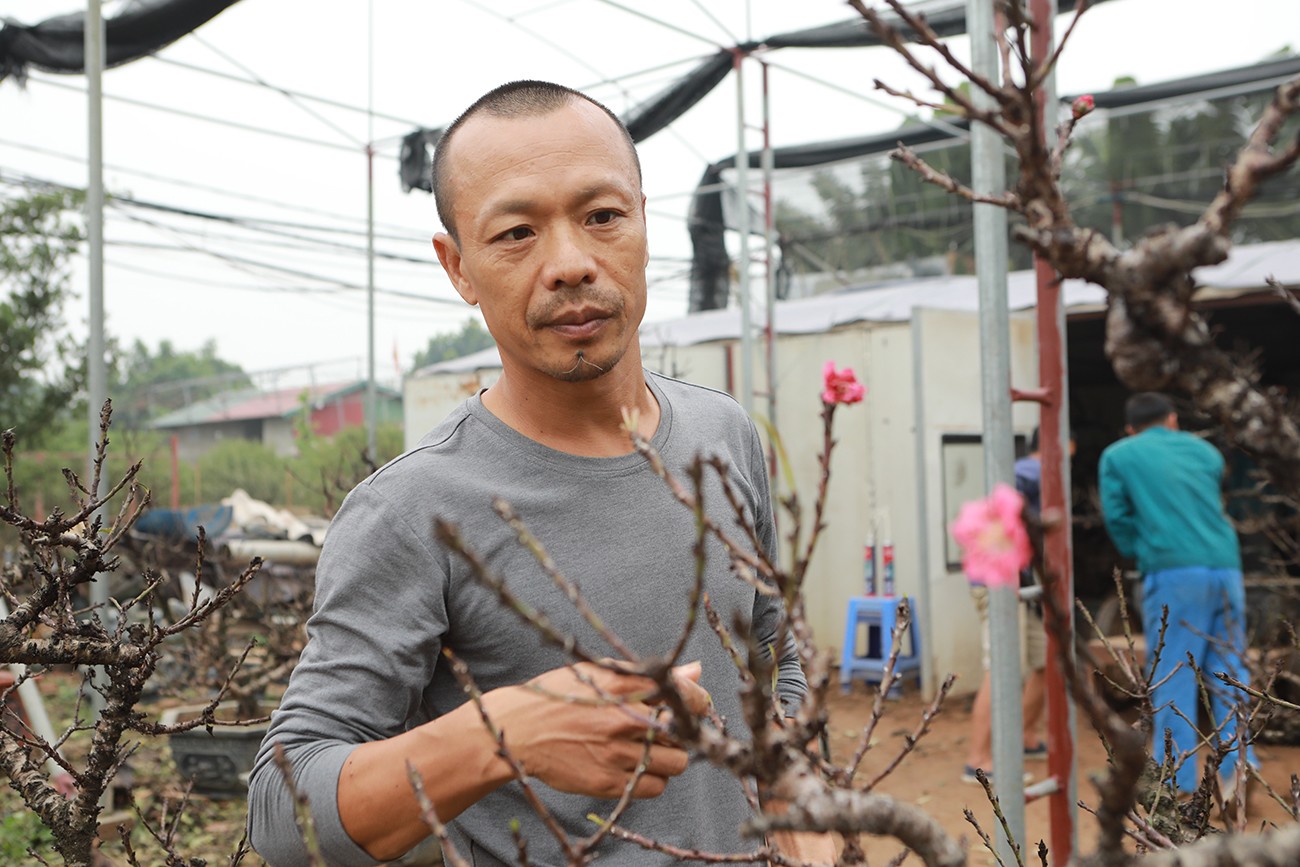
x,y
1161,497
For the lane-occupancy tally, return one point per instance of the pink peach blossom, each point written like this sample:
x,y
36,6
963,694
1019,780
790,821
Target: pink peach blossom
x,y
1083,105
995,545
841,386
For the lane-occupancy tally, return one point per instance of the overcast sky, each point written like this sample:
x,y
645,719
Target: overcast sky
x,y
285,301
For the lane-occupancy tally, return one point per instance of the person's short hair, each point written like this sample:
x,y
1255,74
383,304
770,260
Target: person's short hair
x,y
1033,440
526,98
1146,408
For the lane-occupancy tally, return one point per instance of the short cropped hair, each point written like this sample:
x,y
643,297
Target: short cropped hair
x,y
525,98
1147,408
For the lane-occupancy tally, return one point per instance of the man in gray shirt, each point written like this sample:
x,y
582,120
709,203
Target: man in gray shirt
x,y
539,189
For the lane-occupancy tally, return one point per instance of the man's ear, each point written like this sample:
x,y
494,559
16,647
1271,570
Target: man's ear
x,y
643,224
449,255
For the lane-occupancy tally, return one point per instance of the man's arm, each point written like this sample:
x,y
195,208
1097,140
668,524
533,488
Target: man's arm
x,y
576,747
375,642
1117,507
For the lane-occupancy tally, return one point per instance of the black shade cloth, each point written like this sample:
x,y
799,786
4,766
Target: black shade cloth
x,y
58,44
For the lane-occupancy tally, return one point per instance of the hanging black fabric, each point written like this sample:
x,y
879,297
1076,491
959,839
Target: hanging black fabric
x,y
58,44
674,101
414,164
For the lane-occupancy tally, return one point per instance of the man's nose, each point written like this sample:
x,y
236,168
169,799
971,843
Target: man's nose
x,y
569,260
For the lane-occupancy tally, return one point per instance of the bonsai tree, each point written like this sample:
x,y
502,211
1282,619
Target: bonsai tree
x,y
119,644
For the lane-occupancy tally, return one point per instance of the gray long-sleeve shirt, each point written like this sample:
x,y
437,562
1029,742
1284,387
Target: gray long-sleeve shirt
x,y
389,597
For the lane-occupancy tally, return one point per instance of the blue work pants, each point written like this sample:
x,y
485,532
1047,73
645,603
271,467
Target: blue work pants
x,y
1207,619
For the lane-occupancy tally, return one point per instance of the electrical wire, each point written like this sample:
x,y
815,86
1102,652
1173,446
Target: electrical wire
x,y
258,81
253,225
243,263
283,91
954,131
250,224
258,223
658,67
660,22
192,115
542,8
723,27
605,79
325,296
206,188
293,98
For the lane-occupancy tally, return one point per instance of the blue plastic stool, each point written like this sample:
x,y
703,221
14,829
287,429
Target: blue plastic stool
x,y
879,613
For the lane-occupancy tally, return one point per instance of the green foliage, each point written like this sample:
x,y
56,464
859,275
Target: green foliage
x,y
471,337
239,463
39,366
327,468
20,831
148,384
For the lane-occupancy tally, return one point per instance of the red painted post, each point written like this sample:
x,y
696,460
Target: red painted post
x,y
1053,420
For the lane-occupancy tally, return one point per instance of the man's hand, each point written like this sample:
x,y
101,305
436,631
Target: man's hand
x,y
583,729
586,745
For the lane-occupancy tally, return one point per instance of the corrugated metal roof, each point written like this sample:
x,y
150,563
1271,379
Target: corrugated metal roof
x,y
250,404
482,360
1243,272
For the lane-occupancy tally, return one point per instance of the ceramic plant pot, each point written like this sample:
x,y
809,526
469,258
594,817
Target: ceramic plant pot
x,y
219,763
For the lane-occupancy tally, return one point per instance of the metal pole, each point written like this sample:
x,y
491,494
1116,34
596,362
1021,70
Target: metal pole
x,y
742,226
1054,436
922,486
989,176
97,375
371,401
769,241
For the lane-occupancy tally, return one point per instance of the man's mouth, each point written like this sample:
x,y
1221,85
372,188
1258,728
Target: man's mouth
x,y
579,324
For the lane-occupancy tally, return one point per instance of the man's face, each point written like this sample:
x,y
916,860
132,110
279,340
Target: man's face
x,y
552,243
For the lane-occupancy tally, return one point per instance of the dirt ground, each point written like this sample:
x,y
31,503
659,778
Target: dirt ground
x,y
930,776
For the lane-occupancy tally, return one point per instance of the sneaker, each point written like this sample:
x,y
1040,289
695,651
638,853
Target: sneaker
x,y
968,775
1037,752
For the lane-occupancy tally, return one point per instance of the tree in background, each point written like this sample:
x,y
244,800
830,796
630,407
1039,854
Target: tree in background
x,y
148,384
471,337
40,370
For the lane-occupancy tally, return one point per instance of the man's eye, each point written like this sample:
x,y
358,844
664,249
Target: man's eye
x,y
518,233
601,218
